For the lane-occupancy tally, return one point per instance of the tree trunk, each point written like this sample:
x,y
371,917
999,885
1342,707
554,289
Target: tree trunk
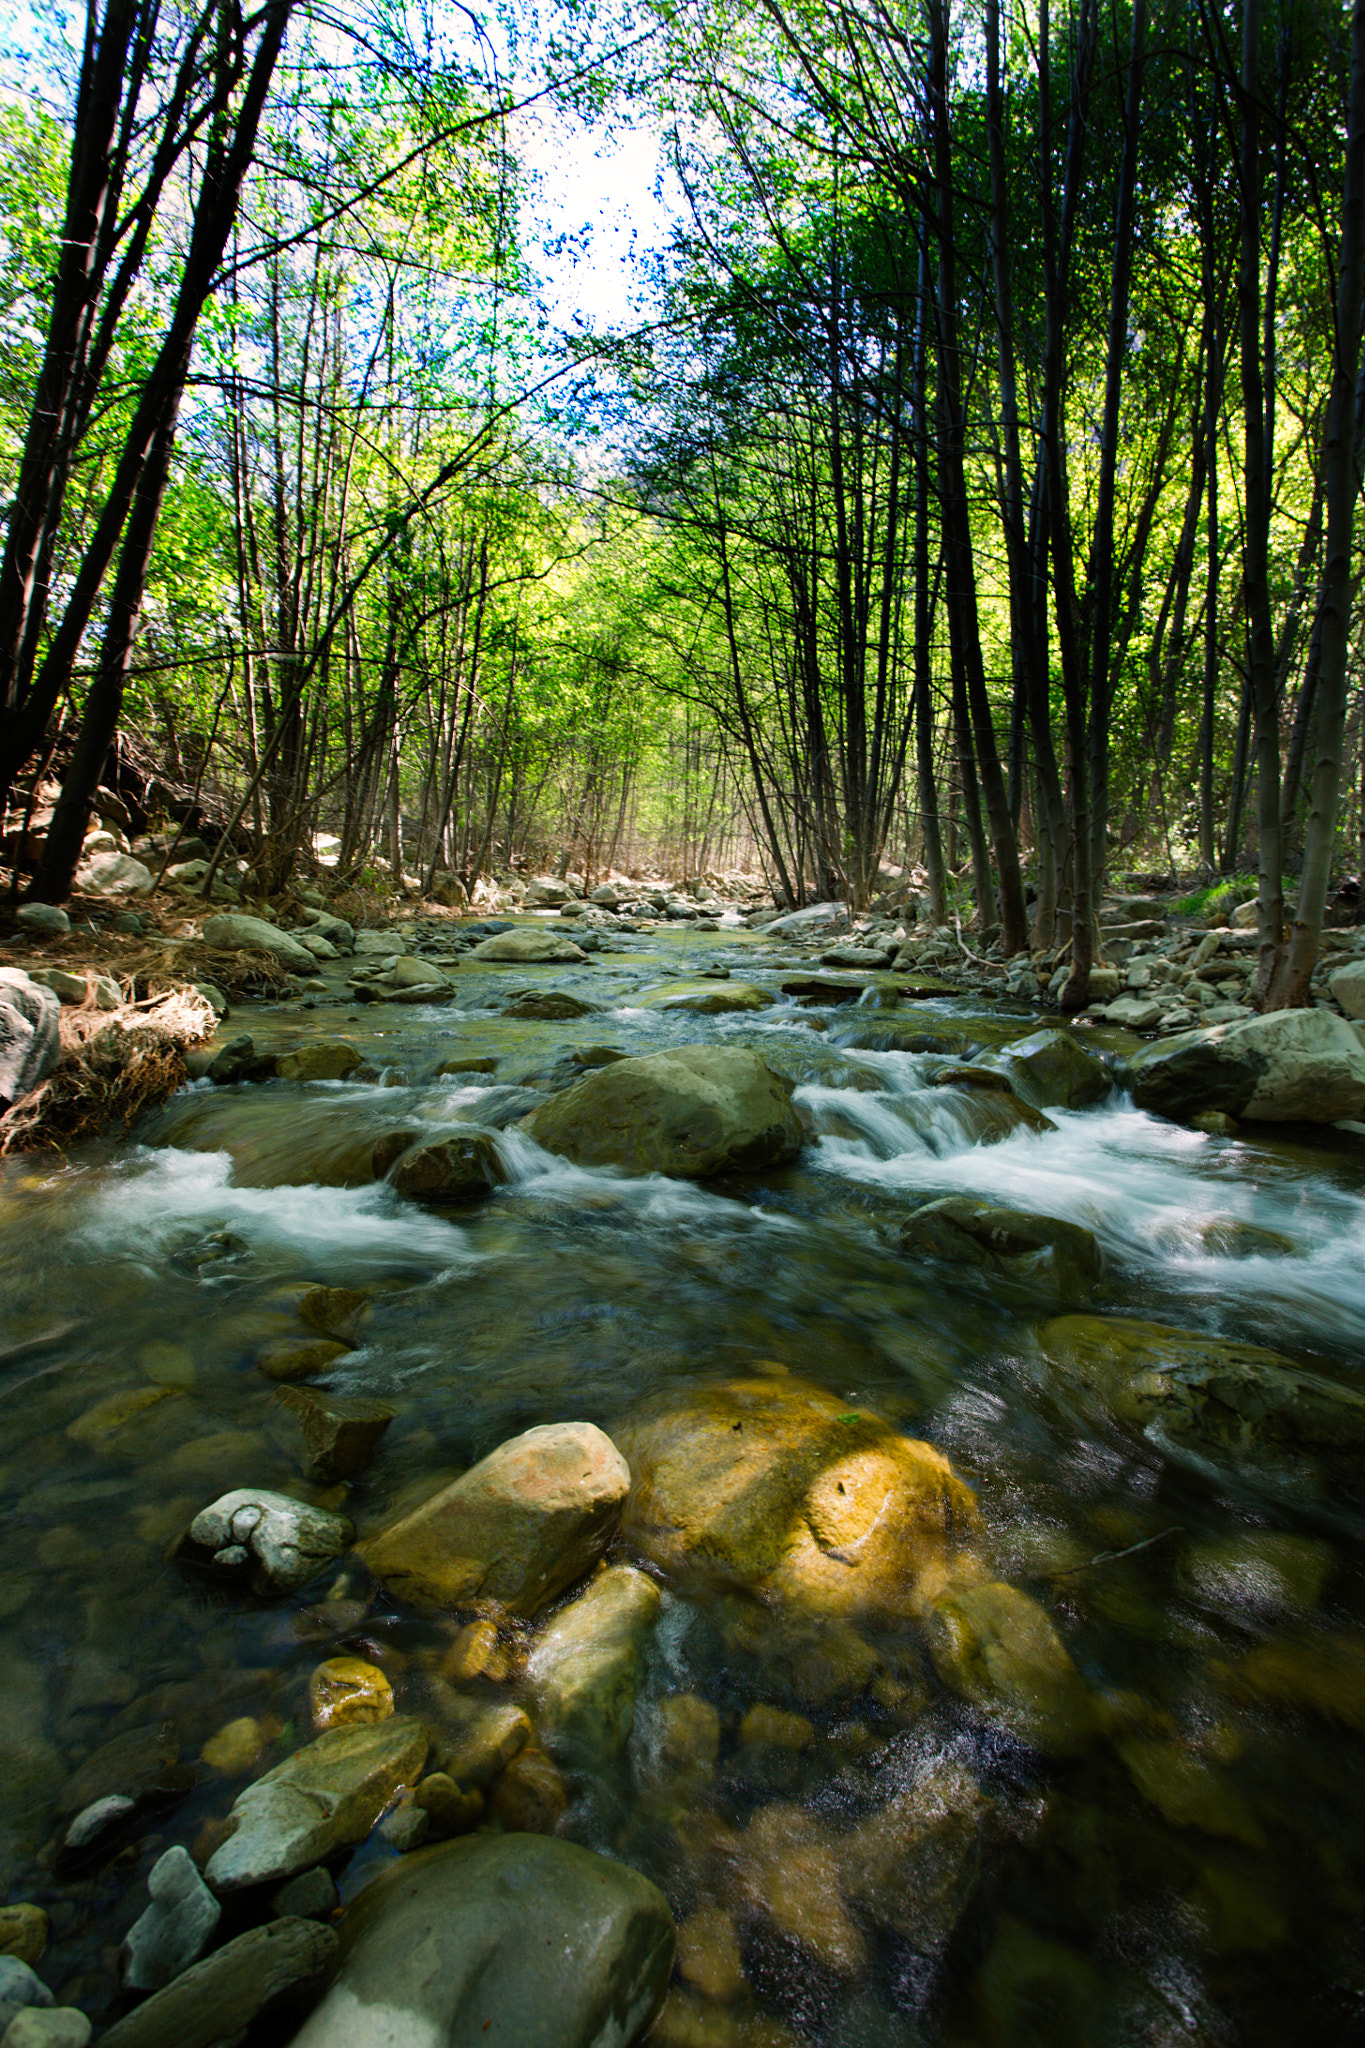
x,y
1291,984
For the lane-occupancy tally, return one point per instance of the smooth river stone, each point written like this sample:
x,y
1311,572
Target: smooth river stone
x,y
584,1669
555,1946
516,1529
691,1112
323,1798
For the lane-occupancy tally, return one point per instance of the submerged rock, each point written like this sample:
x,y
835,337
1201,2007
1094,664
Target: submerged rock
x,y
522,945
267,1971
772,1485
1287,1066
479,1738
997,1650
58,2026
1062,1258
451,1169
337,1436
323,1798
20,1989
913,1864
560,1948
1256,1572
530,1797
23,1931
584,1669
717,1002
516,1529
1222,1396
693,1112
556,1005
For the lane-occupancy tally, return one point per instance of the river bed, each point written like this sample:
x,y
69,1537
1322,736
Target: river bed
x,y
1100,1909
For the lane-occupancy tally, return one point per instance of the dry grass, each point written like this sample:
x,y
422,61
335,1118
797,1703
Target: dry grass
x,y
115,1064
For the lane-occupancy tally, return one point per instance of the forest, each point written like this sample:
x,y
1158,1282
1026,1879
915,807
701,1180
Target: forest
x,y
975,491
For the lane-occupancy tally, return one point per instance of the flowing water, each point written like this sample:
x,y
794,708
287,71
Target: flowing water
x,y
1102,1910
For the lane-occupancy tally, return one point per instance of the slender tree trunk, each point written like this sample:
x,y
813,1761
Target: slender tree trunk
x,y
962,596
1256,533
1102,544
1291,984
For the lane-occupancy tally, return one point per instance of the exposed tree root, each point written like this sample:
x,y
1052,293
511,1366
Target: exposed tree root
x,y
115,1065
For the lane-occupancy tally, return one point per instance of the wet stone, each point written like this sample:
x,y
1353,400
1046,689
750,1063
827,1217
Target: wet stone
x,y
279,1968
338,1312
530,1796
60,2026
439,1947
338,1436
406,1829
312,1895
235,1747
298,1358
450,1809
19,1988
282,1542
452,1169
23,1932
346,1692
479,1737
517,1528
584,1668
325,1797
175,1929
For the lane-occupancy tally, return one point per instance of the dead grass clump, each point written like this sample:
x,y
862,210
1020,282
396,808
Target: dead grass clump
x,y
115,1065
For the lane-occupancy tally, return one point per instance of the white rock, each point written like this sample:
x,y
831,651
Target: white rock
x,y
114,874
289,1540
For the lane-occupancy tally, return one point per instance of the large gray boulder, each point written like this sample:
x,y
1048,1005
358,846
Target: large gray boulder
x,y
691,1112
547,892
236,931
524,945
114,874
1289,1066
1050,1069
559,1947
30,1045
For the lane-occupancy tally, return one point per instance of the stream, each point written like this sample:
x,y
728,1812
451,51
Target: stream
x,y
1101,1910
